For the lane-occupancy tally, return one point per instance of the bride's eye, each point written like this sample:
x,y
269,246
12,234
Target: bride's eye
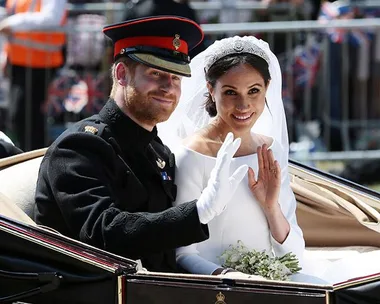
x,y
253,91
230,92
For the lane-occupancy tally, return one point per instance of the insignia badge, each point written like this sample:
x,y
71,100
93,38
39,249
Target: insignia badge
x,y
165,176
122,51
220,298
160,163
90,129
176,42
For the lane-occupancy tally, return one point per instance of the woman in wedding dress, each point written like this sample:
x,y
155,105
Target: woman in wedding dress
x,y
236,86
242,81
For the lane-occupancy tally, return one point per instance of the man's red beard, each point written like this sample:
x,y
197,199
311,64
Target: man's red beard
x,y
144,109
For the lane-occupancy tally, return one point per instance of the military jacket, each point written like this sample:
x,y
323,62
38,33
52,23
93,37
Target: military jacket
x,y
108,182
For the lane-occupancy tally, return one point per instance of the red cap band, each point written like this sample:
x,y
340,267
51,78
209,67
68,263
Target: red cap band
x,y
168,43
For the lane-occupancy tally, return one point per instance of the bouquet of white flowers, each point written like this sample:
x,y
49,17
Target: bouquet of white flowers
x,y
254,262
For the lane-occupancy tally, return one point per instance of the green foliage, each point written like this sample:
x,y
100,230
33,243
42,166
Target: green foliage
x,y
260,263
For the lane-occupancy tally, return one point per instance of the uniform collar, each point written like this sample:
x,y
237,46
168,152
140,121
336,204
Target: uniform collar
x,y
126,130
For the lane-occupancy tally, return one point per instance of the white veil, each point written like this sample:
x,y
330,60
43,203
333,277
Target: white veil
x,y
190,114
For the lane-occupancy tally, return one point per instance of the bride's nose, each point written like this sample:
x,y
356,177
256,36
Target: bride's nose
x,y
242,105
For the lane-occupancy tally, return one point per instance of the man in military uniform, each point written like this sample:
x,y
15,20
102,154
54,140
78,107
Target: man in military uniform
x,y
108,180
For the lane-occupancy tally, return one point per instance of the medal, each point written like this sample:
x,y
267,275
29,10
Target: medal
x,y
160,163
165,176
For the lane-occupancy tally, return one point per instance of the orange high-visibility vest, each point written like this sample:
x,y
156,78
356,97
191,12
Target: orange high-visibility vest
x,y
34,49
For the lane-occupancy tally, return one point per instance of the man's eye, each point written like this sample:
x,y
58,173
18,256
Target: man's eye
x,y
156,73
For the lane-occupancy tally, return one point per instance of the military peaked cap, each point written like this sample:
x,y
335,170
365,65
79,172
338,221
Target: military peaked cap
x,y
161,42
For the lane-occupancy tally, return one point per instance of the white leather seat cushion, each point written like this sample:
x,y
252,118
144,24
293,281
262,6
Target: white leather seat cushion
x,y
18,183
9,209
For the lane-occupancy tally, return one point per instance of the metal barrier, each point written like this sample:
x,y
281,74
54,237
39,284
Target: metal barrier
x,y
114,10
359,107
313,102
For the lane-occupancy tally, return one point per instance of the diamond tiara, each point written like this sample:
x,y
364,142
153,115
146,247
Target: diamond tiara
x,y
236,45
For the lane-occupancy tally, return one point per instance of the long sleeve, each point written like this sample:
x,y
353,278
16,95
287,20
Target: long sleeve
x,y
294,242
83,176
191,181
242,220
51,14
189,259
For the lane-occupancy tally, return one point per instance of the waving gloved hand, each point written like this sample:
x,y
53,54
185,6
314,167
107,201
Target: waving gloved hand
x,y
221,186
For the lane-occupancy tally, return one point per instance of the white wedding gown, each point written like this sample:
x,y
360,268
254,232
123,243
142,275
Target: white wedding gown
x,y
243,218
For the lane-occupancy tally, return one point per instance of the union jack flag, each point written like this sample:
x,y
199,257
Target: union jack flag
x,y
97,88
71,92
306,64
340,9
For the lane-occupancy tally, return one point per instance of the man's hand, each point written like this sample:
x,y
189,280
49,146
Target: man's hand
x,y
221,186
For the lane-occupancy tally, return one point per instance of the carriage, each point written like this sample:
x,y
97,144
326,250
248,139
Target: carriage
x,y
340,221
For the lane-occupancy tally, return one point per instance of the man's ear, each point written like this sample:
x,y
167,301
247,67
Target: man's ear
x,y
122,73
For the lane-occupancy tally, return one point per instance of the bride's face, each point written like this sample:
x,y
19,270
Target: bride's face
x,y
239,96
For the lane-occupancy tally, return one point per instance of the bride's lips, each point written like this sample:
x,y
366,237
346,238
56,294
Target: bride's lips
x,y
243,117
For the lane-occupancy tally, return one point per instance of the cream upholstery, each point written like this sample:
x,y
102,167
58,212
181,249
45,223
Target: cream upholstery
x,y
18,184
331,215
9,209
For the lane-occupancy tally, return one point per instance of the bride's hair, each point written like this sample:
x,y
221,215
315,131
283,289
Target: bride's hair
x,y
223,65
191,115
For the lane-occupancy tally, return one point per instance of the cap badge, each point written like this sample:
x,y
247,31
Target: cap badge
x,y
176,42
160,163
122,51
90,129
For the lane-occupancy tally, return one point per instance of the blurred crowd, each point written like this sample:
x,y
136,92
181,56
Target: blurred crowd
x,y
37,107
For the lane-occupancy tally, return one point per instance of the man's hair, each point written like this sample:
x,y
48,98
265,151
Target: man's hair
x,y
131,66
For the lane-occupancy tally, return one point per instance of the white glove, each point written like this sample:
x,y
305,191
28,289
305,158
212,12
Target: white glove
x,y
221,186
241,275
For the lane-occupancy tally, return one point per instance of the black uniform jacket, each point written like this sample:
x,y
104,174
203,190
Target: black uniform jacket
x,y
108,182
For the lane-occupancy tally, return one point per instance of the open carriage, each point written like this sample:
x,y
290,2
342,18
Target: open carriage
x,y
340,220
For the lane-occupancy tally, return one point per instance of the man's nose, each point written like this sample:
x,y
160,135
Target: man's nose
x,y
166,83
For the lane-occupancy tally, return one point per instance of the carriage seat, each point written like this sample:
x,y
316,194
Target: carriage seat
x,y
18,184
